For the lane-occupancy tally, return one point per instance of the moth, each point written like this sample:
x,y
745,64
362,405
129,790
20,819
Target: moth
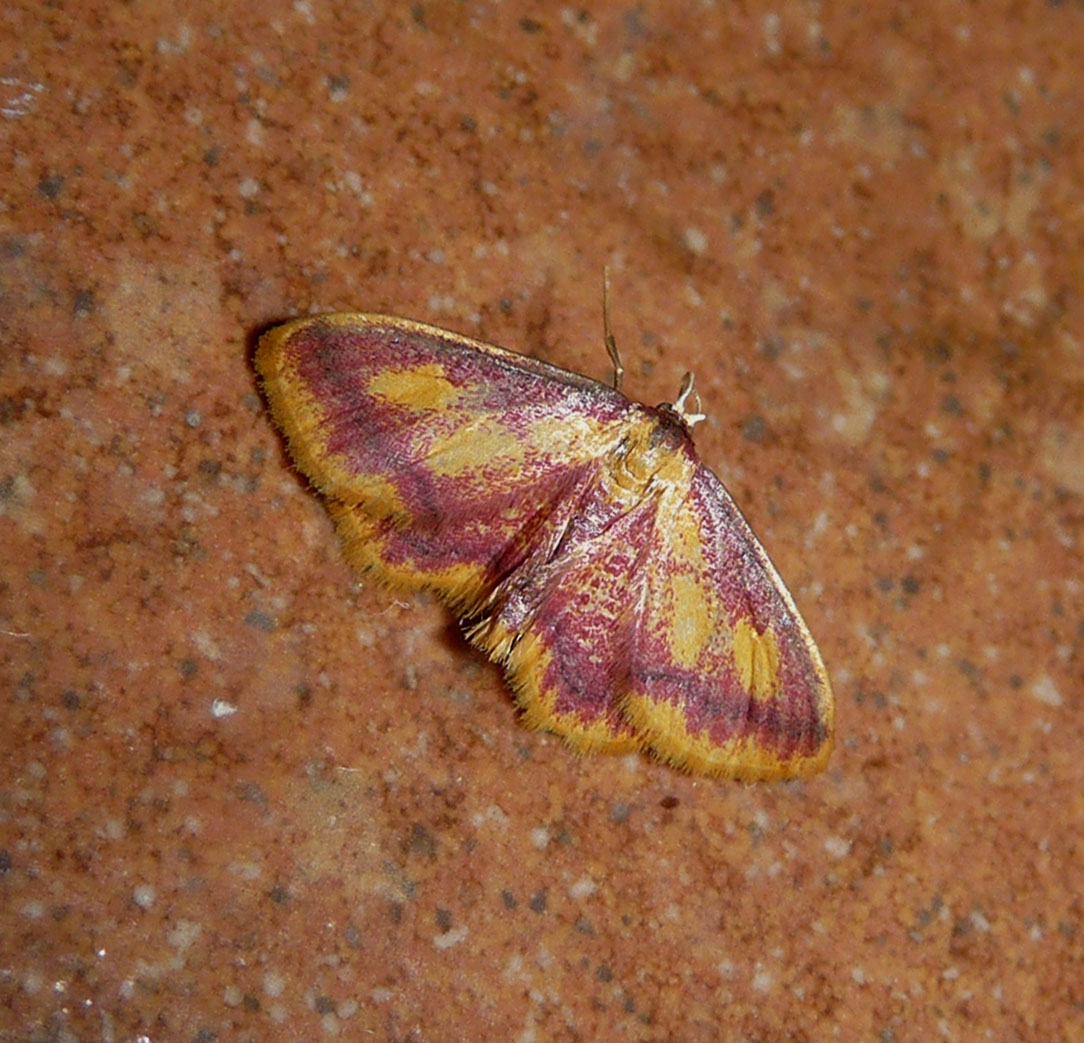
x,y
574,533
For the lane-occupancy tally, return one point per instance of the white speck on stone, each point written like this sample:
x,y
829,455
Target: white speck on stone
x,y
273,984
220,708
837,847
206,645
451,938
491,815
183,934
770,24
763,980
442,302
696,241
152,496
540,837
354,182
250,188
513,969
143,895
690,294
625,67
858,976
21,97
232,996
585,887
1044,689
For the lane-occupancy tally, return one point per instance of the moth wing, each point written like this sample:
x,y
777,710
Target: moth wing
x,y
472,470
725,678
561,622
442,458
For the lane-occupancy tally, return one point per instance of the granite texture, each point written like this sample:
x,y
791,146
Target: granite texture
x,y
247,795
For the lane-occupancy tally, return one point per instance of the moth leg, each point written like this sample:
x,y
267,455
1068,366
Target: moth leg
x,y
611,344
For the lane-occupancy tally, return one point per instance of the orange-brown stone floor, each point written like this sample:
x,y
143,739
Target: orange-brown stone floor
x,y
247,795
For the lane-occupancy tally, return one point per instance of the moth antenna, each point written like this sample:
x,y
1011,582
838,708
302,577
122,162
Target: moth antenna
x,y
679,405
611,344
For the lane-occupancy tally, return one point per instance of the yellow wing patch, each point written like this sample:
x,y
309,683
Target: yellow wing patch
x,y
692,622
422,388
756,657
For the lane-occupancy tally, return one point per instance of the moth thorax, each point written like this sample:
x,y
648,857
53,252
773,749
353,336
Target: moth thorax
x,y
650,453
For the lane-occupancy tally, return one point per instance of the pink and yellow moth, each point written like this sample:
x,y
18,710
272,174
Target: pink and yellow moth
x,y
575,534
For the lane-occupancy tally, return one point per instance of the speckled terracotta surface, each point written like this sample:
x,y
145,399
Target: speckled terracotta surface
x,y
247,796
